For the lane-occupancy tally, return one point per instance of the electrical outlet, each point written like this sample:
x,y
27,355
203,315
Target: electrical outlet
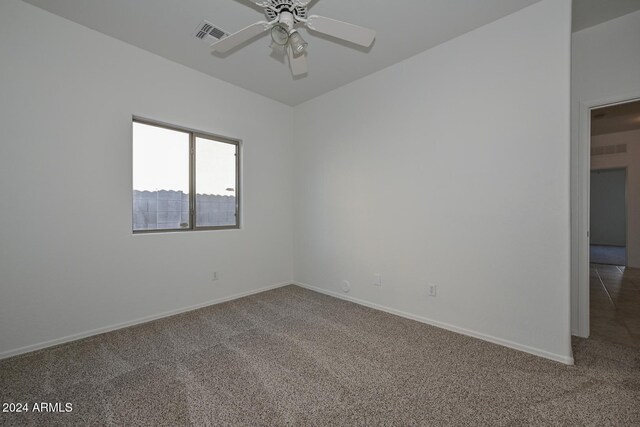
x,y
377,280
214,276
346,286
432,290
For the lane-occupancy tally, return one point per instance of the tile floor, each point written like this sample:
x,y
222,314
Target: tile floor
x,y
615,304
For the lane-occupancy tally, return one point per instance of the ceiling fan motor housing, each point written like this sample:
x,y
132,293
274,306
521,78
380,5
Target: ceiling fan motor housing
x,y
278,6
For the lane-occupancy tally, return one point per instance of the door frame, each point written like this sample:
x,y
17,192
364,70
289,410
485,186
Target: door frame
x,y
580,233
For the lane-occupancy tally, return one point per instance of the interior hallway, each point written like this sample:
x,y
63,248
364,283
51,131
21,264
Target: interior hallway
x,y
615,304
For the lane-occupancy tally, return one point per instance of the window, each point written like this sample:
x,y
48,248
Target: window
x,y
183,180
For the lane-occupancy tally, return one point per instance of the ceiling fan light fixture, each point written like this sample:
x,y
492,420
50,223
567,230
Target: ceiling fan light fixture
x,y
280,35
282,16
298,44
277,48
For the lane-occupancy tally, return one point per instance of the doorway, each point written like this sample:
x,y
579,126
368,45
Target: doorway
x,y
608,216
611,187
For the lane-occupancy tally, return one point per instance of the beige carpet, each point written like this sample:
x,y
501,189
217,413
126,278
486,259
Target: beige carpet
x,y
295,357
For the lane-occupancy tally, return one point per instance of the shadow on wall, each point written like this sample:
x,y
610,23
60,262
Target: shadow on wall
x,y
166,209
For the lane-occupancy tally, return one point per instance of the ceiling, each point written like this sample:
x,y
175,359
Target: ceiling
x,y
616,118
587,13
166,28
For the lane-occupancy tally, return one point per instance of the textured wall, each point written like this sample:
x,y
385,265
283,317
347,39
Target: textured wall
x,y
605,69
69,262
450,168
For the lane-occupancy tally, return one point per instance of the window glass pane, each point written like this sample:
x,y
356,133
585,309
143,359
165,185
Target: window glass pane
x,y
215,183
160,178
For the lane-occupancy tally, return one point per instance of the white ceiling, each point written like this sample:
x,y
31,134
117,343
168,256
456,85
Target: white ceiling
x,y
587,13
405,28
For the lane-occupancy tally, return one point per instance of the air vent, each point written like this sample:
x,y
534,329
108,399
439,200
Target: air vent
x,y
608,150
217,33
209,33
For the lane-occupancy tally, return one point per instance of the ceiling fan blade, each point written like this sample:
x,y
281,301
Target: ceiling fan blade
x,y
261,3
298,63
342,30
236,39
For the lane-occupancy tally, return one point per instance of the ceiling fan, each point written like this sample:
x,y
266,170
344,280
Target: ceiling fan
x,y
283,19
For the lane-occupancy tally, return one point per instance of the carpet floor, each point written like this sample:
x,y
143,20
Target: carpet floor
x,y
295,357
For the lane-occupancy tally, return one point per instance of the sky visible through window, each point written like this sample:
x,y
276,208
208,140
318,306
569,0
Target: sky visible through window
x,y
161,162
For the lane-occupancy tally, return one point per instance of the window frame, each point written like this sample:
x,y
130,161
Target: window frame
x,y
193,134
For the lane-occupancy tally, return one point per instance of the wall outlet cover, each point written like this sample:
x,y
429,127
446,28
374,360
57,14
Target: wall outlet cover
x,y
432,290
377,280
346,286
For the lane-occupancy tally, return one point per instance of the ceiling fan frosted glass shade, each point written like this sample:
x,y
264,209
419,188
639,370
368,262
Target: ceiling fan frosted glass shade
x,y
279,35
298,44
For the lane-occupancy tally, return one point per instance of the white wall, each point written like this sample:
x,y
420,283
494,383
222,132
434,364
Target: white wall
x,y
69,263
605,68
608,209
451,167
631,161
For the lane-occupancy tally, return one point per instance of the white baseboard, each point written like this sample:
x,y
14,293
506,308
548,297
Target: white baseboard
x,y
506,343
98,331
537,352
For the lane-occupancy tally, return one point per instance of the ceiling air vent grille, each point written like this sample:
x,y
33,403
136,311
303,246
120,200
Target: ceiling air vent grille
x,y
217,33
209,33
204,31
609,149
